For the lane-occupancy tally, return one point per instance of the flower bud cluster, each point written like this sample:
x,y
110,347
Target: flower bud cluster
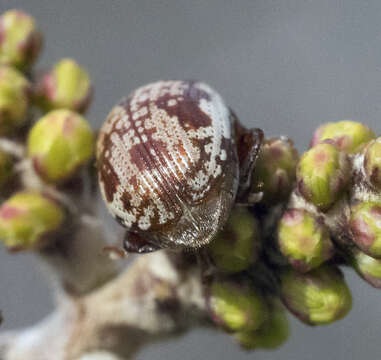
x,y
243,309
326,222
333,217
45,115
236,301
252,267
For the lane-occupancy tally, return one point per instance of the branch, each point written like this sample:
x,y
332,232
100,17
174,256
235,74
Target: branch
x,y
153,299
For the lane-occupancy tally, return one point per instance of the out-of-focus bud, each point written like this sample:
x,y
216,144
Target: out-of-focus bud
x,y
236,246
318,297
372,163
66,86
236,306
272,334
99,355
6,168
20,40
14,99
59,143
322,175
368,268
304,240
274,172
26,220
348,136
365,227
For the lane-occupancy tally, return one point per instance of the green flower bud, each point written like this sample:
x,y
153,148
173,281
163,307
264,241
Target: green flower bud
x,y
372,163
274,173
322,175
66,86
14,99
317,297
236,307
27,218
272,334
368,268
236,247
59,143
365,227
304,240
348,136
20,40
6,168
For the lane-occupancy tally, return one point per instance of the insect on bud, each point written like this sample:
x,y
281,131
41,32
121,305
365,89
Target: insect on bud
x,y
236,306
322,175
365,227
236,246
15,93
274,173
318,297
26,220
66,86
20,40
348,136
59,143
167,163
304,240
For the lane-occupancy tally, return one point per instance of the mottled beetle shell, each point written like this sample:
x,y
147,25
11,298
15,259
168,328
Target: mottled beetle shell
x,y
167,163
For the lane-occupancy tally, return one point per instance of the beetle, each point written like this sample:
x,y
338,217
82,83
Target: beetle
x,y
172,160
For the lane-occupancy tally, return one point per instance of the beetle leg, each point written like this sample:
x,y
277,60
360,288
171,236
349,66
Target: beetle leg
x,y
249,142
115,252
134,243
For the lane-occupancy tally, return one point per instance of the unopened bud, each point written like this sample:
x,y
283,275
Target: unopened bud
x,y
26,220
66,86
20,40
59,143
14,99
372,163
348,136
318,297
235,306
272,334
365,227
237,245
368,268
304,240
274,173
322,175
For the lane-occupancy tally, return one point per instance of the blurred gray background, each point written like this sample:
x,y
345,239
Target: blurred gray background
x,y
284,66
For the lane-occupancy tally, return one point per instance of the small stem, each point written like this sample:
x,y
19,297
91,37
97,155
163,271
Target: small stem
x,y
152,300
77,260
12,147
